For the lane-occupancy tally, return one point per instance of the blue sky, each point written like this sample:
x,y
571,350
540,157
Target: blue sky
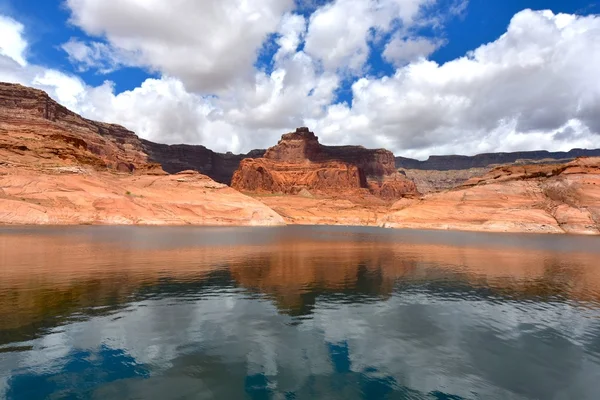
x,y
481,22
131,60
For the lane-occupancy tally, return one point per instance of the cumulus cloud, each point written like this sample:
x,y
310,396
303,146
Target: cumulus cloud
x,y
535,87
339,32
96,55
400,51
209,45
512,94
12,43
251,114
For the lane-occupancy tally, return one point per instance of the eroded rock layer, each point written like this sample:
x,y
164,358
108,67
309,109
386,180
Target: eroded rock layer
x,y
36,130
300,163
554,198
59,168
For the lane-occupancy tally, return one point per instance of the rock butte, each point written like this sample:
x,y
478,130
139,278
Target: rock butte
x,y
59,168
299,163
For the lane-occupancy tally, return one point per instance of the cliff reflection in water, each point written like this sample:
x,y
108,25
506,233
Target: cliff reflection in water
x,y
297,312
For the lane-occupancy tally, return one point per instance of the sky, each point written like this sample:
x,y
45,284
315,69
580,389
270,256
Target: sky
x,y
418,77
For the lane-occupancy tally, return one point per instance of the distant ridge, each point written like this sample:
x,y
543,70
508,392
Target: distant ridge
x,y
455,162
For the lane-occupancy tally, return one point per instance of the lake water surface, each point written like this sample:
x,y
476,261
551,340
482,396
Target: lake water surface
x,y
297,313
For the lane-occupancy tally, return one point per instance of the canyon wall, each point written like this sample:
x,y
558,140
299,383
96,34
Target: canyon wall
x,y
110,146
59,168
181,157
456,162
37,129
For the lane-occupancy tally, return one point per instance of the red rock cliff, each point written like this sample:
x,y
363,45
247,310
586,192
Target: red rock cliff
x,y
59,168
35,128
299,162
64,134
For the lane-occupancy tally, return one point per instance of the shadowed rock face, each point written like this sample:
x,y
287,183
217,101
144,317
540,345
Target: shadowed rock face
x,y
300,162
455,162
183,157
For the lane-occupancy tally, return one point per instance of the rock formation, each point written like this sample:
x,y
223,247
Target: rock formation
x,y
107,146
38,131
553,198
455,162
430,181
181,157
59,168
299,162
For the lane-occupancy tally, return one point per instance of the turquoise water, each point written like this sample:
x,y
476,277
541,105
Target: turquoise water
x,y
297,313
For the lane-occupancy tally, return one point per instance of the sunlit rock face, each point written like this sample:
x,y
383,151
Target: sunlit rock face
x,y
553,198
58,168
39,131
299,162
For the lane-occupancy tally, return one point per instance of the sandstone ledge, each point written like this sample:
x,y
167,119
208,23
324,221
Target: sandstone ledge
x,y
34,198
563,198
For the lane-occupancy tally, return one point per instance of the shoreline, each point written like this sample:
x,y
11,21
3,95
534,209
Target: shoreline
x,y
374,227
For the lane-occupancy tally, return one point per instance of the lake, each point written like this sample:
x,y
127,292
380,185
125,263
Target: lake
x,y
297,313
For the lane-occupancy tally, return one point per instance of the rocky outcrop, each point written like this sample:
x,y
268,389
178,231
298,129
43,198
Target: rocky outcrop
x,y
299,162
59,168
181,157
38,131
554,198
63,133
302,145
430,181
456,162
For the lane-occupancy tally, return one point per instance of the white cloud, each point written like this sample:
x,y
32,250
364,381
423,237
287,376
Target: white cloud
x,y
535,87
12,43
96,55
515,93
209,45
339,32
292,31
400,51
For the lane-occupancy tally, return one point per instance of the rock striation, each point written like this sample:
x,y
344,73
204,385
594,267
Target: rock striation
x,y
59,168
300,163
36,129
553,198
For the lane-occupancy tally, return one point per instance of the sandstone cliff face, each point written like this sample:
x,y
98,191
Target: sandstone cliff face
x,y
303,145
300,162
531,198
38,131
182,157
59,168
106,146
